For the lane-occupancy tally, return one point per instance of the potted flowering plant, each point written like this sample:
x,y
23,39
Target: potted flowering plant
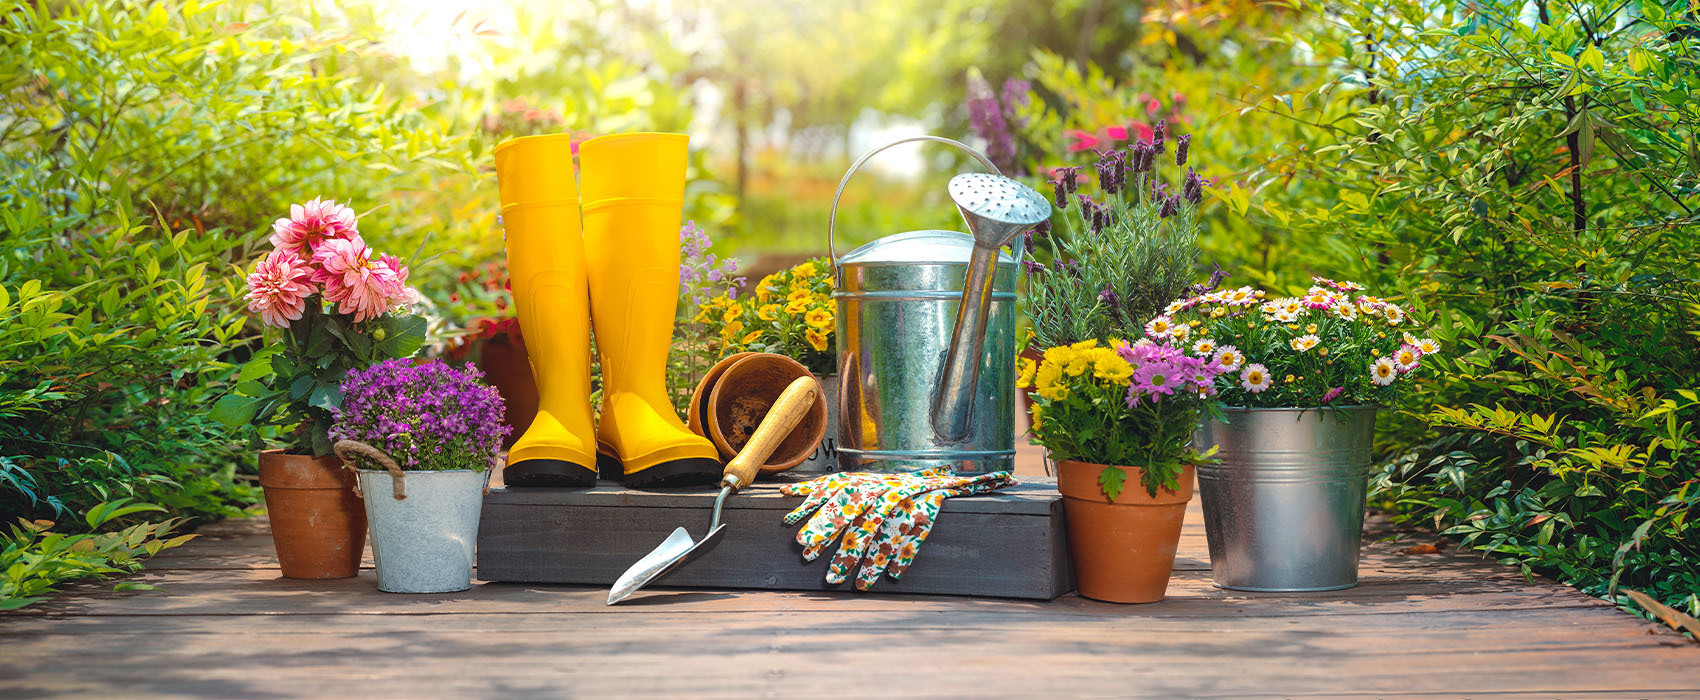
x,y
422,438
790,312
331,304
1118,420
1303,377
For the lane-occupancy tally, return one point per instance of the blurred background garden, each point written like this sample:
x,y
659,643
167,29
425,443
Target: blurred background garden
x,y
1522,175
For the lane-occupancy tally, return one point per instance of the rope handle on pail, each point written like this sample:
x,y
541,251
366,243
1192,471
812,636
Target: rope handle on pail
x,y
346,448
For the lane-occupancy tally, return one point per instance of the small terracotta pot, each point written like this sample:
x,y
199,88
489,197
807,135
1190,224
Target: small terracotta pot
x,y
318,524
1123,551
734,396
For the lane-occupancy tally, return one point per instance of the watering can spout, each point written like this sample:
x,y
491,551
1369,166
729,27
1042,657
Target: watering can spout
x,y
996,209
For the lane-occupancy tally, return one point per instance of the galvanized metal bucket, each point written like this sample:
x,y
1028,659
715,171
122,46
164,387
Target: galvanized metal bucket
x,y
423,543
1284,508
898,300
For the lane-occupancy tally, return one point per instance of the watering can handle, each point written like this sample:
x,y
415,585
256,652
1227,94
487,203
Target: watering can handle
x,y
832,218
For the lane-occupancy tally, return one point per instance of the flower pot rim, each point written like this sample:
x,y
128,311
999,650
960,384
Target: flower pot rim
x,y
1302,409
423,471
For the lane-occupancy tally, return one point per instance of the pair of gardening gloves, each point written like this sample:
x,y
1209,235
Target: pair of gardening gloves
x,y
882,518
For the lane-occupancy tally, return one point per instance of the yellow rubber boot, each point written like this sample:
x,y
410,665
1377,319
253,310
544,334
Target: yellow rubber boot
x,y
545,244
633,194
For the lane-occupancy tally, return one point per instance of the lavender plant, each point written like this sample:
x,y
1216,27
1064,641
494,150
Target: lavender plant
x,y
1120,258
993,117
425,416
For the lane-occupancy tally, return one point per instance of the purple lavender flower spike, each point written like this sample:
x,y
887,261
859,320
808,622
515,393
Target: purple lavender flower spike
x,y
1061,193
1182,144
1033,268
1108,296
1192,187
1157,134
1171,206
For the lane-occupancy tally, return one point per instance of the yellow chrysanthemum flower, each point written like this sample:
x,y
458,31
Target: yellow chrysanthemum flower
x,y
1112,368
817,339
1087,344
819,318
1059,355
1047,377
1028,369
1038,416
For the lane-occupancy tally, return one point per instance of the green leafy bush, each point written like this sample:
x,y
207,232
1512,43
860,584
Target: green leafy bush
x,y
33,559
144,148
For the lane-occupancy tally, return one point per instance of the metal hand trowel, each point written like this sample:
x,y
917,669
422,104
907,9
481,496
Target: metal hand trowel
x,y
996,209
797,399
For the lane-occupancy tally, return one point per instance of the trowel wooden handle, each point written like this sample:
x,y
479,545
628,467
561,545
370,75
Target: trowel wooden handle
x,y
794,403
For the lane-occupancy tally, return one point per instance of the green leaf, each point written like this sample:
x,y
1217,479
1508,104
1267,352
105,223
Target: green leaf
x,y
111,510
326,395
234,410
404,335
1110,481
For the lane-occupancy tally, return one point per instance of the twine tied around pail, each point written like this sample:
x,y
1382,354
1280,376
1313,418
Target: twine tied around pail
x,y
347,448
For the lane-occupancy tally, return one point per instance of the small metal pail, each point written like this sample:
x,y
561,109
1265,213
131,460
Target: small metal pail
x,y
424,542
1284,508
898,299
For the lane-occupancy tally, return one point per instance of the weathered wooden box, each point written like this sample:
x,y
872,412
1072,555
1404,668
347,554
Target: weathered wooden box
x,y
1010,544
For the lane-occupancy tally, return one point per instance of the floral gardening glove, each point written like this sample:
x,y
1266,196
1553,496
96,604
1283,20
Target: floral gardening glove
x,y
883,518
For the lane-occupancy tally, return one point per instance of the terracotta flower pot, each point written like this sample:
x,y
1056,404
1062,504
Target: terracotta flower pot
x,y
507,366
1123,551
734,396
318,524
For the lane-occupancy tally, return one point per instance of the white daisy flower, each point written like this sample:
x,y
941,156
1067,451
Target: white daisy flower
x,y
1427,346
1382,371
1393,314
1204,347
1346,312
1160,327
1287,315
1228,358
1255,378
1305,342
1180,333
1405,358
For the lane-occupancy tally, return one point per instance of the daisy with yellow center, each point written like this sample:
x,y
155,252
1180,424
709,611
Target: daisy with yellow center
x,y
1229,358
1394,314
1255,379
1305,342
1405,358
1346,312
1160,327
1180,333
1427,346
1204,347
1382,371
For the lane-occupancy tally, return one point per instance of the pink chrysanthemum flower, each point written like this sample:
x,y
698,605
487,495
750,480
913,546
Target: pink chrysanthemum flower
x,y
313,223
279,287
352,281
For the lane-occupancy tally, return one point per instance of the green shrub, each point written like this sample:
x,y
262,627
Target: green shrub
x,y
144,150
33,559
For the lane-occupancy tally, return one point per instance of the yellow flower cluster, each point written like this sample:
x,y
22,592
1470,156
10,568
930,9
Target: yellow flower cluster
x,y
1064,368
791,313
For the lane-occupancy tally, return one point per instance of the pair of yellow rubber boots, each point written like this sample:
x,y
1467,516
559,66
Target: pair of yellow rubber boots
x,y
619,264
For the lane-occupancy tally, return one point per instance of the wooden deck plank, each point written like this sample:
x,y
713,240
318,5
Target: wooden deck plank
x,y
1420,625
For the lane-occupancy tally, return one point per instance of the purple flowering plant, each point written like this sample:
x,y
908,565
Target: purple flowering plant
x,y
1119,254
427,416
702,276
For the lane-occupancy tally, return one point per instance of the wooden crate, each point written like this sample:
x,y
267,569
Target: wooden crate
x,y
1011,543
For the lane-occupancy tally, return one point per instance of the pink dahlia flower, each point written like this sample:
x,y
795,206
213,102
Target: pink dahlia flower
x,y
279,287
313,223
406,296
352,281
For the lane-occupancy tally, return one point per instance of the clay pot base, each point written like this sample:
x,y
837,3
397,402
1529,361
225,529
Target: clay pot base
x,y
1123,552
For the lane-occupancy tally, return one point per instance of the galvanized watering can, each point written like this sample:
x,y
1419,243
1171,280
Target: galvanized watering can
x,y
926,332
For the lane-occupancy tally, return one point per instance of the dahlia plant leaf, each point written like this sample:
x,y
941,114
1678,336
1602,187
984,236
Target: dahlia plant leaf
x,y
234,411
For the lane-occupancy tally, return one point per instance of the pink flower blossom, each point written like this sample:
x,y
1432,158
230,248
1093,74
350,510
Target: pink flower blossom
x,y
352,281
1141,132
1117,133
407,296
1083,141
311,224
279,287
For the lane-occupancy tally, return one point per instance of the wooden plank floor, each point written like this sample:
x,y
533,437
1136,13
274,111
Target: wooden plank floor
x,y
1420,625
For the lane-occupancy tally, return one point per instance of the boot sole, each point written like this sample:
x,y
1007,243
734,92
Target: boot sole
x,y
695,471
548,473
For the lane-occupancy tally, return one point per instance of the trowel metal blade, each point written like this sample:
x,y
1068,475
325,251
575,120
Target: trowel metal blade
x,y
673,551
